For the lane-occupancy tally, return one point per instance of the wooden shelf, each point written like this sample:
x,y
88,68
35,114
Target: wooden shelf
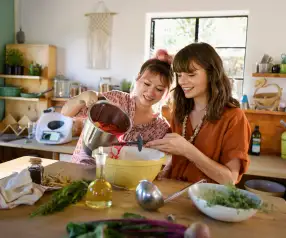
x,y
6,76
265,112
59,99
24,99
269,75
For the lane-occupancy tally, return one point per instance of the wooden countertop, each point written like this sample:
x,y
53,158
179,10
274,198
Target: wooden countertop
x,y
67,148
267,166
16,222
17,165
264,165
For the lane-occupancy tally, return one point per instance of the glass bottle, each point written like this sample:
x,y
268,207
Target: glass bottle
x,y
99,192
36,170
255,142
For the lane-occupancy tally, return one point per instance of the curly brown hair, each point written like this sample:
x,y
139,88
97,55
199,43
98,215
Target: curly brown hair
x,y
219,85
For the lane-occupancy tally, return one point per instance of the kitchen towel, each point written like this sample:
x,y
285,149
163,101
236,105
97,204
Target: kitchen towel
x,y
18,189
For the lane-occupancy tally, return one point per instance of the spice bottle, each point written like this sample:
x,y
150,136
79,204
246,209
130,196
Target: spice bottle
x,y
36,170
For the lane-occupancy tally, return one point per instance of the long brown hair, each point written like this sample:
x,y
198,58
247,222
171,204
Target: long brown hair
x,y
219,86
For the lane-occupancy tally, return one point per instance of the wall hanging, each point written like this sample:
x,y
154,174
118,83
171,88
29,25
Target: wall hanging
x,y
99,37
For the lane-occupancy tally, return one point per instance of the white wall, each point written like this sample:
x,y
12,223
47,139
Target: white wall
x,y
62,23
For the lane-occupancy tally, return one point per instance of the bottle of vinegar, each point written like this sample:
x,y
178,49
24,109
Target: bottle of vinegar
x,y
99,192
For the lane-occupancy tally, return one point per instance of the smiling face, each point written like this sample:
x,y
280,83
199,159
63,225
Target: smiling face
x,y
194,83
201,79
150,88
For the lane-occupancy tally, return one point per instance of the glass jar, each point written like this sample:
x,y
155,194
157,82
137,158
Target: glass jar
x,y
104,84
36,170
61,87
99,192
74,89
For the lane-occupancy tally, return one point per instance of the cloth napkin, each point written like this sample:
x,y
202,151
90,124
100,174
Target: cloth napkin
x,y
18,189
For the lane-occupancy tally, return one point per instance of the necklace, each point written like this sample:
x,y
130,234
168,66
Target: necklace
x,y
197,129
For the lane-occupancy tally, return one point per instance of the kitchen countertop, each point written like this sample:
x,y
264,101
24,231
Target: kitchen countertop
x,y
67,148
262,225
263,165
267,166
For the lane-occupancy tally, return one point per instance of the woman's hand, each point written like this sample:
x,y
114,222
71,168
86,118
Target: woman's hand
x,y
173,144
166,171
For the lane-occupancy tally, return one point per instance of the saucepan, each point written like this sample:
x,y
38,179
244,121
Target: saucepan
x,y
35,95
103,112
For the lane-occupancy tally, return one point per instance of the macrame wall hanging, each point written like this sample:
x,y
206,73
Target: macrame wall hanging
x,y
99,37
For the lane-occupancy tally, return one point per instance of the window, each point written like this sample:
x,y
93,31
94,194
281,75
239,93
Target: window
x,y
226,34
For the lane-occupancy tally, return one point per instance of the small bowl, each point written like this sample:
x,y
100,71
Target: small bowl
x,y
265,187
219,212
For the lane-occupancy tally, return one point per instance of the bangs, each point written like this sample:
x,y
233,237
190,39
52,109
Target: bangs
x,y
184,63
154,70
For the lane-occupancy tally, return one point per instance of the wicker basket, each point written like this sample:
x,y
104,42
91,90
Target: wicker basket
x,y
10,91
268,101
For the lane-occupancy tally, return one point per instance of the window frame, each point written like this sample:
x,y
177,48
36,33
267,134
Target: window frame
x,y
197,29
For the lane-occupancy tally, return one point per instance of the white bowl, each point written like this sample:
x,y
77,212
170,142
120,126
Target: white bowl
x,y
219,212
265,187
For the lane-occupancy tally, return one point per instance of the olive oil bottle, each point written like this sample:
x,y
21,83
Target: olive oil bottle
x,y
255,142
99,192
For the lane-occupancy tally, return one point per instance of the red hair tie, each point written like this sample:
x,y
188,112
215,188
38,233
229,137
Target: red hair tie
x,y
164,56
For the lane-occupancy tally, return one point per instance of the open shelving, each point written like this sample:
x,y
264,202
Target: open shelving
x,y
269,75
23,99
8,76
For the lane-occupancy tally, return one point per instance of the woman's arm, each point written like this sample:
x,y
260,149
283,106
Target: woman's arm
x,y
177,145
233,161
75,104
79,156
220,173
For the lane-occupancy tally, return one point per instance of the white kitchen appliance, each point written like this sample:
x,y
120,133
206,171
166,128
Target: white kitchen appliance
x,y
54,128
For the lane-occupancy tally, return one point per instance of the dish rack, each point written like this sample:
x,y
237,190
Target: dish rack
x,y
10,124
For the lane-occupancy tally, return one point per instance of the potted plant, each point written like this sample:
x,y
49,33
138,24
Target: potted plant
x,y
14,62
8,68
35,69
18,63
125,86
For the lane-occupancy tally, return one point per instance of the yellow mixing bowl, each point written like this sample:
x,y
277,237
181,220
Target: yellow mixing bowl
x,y
128,173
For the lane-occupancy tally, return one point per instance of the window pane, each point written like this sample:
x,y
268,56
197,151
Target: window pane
x,y
237,88
233,61
223,32
174,34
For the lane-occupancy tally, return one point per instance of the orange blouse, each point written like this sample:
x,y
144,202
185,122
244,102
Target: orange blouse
x,y
222,141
